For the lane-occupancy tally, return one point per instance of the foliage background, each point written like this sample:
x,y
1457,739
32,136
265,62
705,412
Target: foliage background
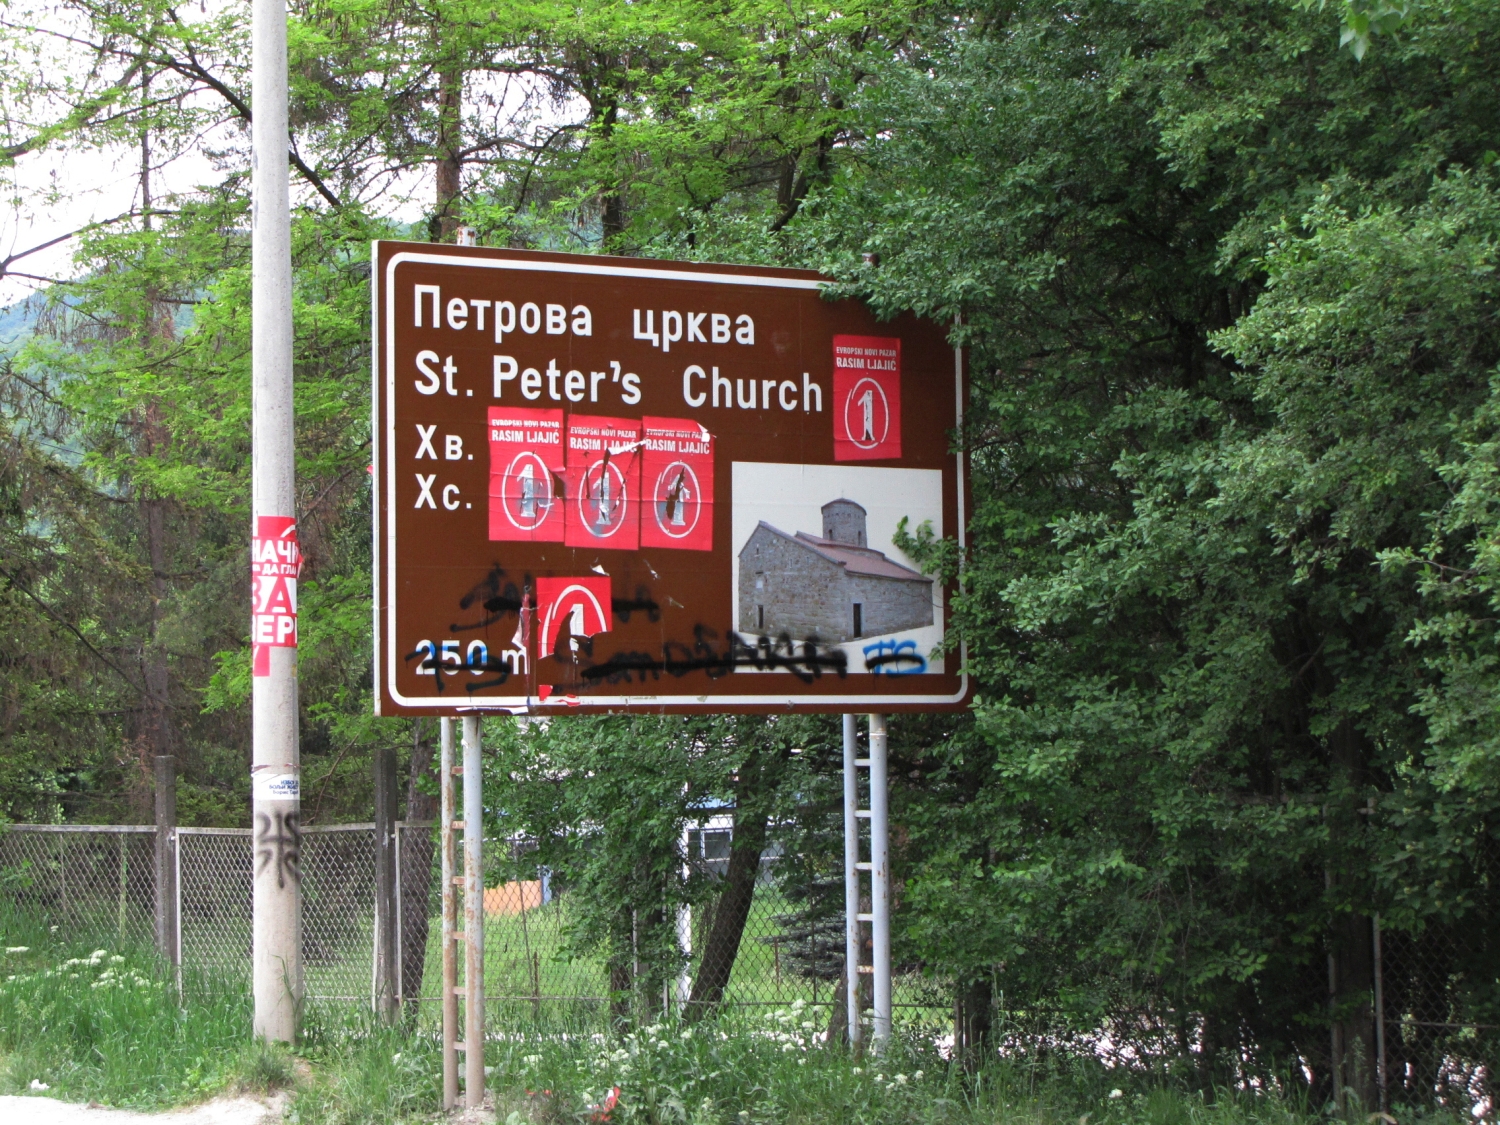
x,y
1229,294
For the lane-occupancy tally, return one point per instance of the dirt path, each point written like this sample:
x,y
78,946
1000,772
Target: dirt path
x,y
222,1111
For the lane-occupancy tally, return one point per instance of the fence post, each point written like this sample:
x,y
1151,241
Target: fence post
x,y
166,860
386,918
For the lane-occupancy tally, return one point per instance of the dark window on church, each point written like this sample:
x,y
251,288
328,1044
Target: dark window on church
x,y
859,624
760,617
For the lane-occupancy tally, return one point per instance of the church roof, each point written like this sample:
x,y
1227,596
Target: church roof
x,y
855,560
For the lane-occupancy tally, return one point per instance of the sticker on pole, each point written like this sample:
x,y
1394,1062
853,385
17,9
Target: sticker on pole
x,y
526,467
268,786
570,611
604,482
677,475
275,561
867,398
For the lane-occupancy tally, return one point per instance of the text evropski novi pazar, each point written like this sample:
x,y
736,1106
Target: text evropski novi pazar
x,y
700,386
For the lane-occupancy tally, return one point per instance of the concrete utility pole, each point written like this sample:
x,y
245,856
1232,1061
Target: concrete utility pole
x,y
277,802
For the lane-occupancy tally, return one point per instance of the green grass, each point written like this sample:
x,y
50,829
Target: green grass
x,y
98,1019
763,1069
101,1021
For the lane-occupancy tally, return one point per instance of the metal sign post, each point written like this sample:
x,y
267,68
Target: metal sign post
x,y
447,807
879,914
852,941
471,937
473,916
274,563
880,884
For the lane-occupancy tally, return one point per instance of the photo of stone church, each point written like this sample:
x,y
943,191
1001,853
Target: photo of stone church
x,y
835,587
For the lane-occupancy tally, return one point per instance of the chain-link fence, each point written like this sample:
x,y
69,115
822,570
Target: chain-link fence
x,y
101,880
1439,1015
84,878
1430,1010
215,876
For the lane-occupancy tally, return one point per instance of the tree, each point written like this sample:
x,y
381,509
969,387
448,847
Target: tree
x,y
1204,733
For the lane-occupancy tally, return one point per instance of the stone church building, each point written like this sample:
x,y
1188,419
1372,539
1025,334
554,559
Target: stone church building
x,y
834,587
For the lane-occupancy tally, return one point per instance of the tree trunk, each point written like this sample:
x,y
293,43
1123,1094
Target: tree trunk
x,y
838,1017
156,722
414,865
972,1024
733,908
1354,1011
449,146
622,968
612,218
1352,963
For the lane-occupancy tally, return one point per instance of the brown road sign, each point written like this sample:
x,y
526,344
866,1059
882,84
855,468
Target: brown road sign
x,y
611,483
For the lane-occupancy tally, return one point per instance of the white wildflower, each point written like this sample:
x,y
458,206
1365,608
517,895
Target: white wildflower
x,y
900,1080
38,1085
917,1075
18,949
857,1070
531,1060
879,1078
117,960
1117,1093
686,1035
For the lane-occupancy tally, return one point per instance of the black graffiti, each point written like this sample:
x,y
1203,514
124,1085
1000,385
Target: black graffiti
x,y
497,597
643,602
806,659
278,840
493,664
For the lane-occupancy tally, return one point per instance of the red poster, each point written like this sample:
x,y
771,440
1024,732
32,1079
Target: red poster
x,y
866,398
677,480
604,482
526,469
571,607
275,562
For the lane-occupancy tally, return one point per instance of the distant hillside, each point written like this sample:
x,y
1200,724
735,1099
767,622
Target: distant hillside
x,y
17,320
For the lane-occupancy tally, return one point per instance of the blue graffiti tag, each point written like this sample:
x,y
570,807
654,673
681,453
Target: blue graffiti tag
x,y
894,658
